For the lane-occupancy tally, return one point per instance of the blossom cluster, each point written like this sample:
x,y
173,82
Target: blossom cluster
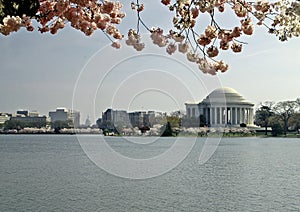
x,y
14,23
287,21
174,41
84,15
187,36
186,14
134,39
215,38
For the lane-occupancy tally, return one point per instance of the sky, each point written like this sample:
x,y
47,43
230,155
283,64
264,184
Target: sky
x,y
43,71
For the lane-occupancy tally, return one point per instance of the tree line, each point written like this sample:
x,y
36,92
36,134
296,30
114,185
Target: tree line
x,y
282,117
19,125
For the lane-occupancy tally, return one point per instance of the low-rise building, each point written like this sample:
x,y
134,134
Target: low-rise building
x,y
4,117
28,121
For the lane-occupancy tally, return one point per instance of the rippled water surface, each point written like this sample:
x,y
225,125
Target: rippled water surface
x,y
53,173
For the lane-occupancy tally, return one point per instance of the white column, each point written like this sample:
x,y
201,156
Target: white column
x,y
220,115
239,115
231,116
226,115
235,115
210,112
217,110
248,116
214,111
251,116
240,111
215,118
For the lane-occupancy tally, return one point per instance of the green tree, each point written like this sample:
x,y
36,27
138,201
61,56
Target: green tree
x,y
13,125
263,114
285,110
174,121
277,125
58,125
167,131
294,121
39,124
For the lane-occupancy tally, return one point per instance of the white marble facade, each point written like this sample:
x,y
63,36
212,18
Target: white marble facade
x,y
223,107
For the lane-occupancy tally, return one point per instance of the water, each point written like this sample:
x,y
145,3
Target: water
x,y
52,173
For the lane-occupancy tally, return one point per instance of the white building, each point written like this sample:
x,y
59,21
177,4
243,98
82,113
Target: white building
x,y
33,113
4,117
222,107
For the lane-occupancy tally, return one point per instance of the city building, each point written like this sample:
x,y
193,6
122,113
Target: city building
x,y
222,107
61,114
139,119
66,115
116,118
121,118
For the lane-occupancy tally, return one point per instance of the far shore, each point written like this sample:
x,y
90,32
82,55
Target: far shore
x,y
237,135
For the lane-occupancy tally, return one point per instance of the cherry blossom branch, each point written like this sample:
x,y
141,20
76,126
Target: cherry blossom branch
x,y
281,18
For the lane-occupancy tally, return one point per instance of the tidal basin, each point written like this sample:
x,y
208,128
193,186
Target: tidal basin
x,y
53,173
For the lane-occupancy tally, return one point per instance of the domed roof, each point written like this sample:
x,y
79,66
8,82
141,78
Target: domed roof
x,y
226,95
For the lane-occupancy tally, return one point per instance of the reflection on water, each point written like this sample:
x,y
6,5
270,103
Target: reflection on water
x,y
244,174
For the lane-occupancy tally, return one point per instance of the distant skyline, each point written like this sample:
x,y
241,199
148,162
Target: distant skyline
x,y
43,72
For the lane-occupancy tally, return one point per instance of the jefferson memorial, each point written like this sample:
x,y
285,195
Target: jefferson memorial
x,y
222,107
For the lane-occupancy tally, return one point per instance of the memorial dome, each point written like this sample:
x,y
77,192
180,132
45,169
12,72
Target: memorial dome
x,y
226,95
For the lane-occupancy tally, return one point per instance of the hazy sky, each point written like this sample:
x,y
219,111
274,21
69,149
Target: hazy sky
x,y
42,72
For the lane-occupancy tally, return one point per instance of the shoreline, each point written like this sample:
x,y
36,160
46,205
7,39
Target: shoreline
x,y
200,136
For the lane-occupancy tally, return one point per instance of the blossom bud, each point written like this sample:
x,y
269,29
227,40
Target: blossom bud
x,y
212,51
236,47
166,2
